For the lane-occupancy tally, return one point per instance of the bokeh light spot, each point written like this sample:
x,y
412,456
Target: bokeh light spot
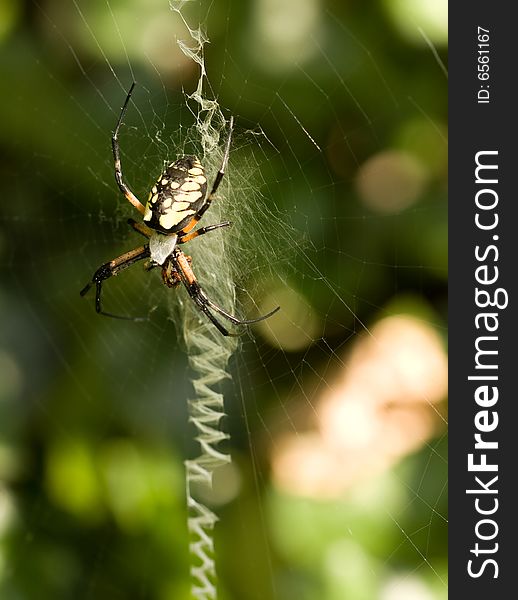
x,y
406,587
71,478
284,32
295,326
379,409
431,16
390,181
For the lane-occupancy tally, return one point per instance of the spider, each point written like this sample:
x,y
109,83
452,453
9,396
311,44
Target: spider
x,y
175,204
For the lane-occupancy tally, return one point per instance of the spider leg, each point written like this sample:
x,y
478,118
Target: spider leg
x,y
224,163
114,267
234,319
141,228
200,304
201,231
215,185
124,188
201,299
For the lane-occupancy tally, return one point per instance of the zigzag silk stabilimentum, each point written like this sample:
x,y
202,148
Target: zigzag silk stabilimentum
x,y
209,352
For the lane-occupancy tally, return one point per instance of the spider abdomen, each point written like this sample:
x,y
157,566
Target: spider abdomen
x,y
177,196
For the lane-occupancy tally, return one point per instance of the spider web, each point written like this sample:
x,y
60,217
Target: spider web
x,y
335,406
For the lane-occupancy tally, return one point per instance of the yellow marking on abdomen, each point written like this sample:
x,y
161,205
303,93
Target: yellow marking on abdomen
x,y
178,206
190,186
188,197
172,218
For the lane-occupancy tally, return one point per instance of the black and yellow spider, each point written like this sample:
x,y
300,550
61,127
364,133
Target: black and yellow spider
x,y
175,204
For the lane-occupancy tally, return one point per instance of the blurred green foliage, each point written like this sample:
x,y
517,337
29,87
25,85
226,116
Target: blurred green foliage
x,y
93,413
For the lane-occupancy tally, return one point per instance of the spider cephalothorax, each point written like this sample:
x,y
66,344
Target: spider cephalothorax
x,y
176,203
